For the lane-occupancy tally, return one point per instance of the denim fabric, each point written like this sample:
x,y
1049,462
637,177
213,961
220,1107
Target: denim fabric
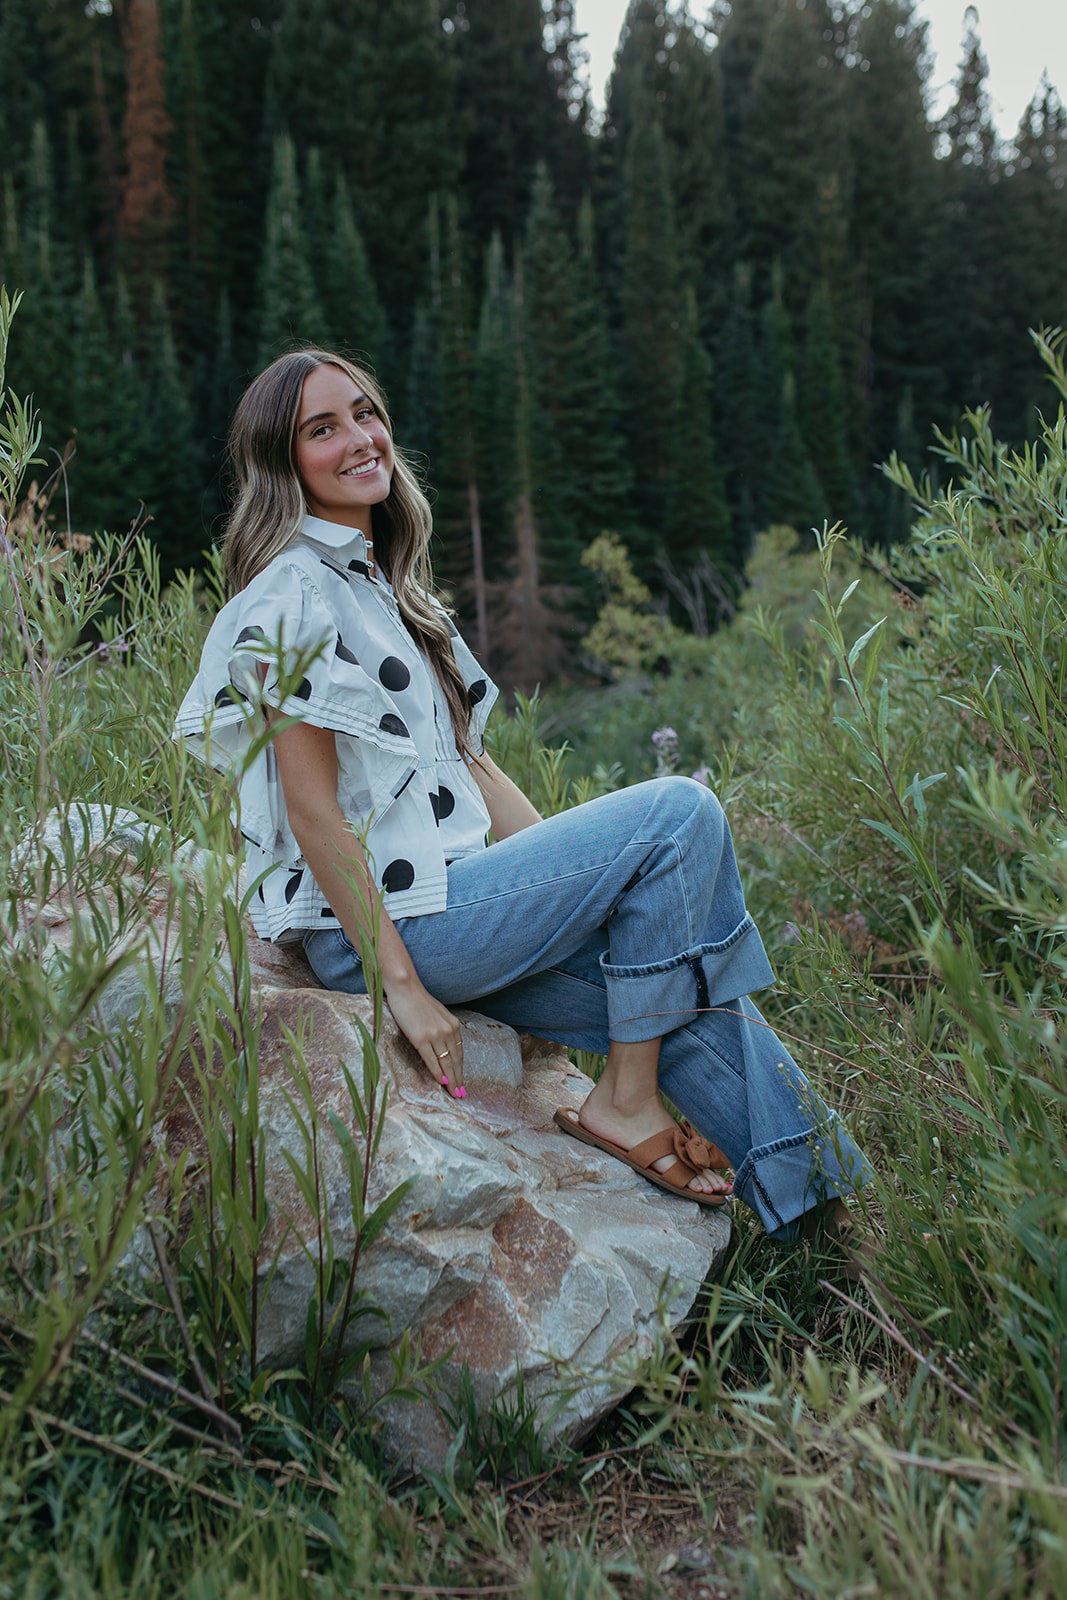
x,y
624,919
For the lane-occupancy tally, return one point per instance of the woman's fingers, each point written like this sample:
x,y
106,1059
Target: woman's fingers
x,y
434,1032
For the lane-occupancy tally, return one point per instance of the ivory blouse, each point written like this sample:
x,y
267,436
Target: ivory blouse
x,y
338,655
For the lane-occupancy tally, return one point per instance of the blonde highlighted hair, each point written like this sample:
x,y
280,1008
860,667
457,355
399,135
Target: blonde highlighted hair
x,y
270,510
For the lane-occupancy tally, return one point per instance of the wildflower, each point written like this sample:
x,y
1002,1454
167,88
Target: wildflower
x,y
703,775
665,744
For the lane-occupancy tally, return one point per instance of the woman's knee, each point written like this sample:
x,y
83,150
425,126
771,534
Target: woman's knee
x,y
691,803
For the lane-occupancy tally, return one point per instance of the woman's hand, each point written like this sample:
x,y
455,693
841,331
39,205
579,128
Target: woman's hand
x,y
307,763
431,1028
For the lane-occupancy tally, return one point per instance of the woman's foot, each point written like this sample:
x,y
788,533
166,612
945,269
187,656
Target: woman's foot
x,y
632,1126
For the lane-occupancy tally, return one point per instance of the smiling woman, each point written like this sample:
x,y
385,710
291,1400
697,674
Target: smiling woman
x,y
618,927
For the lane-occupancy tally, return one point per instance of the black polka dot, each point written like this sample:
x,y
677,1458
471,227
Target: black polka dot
x,y
359,566
262,896
292,886
228,695
303,689
342,650
327,911
255,634
446,802
335,570
435,801
393,724
393,674
398,875
477,691
403,786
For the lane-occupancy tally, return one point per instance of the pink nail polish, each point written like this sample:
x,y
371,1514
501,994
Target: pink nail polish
x,y
444,1080
461,1093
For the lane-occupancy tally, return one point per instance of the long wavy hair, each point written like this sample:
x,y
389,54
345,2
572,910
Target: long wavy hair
x,y
270,509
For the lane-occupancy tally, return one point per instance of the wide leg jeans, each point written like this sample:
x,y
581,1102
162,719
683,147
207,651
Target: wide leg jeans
x,y
624,919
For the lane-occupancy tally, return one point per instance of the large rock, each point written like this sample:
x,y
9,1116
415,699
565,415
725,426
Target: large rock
x,y
518,1252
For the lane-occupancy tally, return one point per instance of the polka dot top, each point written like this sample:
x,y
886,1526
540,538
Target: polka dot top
x,y
337,654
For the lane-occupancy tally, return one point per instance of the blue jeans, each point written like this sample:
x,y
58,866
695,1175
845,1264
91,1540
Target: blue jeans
x,y
624,919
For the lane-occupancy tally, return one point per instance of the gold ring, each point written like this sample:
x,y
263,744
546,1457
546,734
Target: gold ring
x,y
441,1054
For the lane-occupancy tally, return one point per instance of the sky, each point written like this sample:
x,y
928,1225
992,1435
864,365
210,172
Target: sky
x,y
1020,38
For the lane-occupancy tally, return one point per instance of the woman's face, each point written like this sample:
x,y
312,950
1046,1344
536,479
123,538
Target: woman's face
x,y
344,454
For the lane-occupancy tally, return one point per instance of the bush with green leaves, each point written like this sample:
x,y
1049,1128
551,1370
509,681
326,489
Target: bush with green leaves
x,y
910,795
717,691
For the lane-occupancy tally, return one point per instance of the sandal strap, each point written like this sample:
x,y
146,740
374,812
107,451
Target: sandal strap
x,y
720,1161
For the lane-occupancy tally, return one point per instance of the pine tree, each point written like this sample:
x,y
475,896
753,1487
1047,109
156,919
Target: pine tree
x,y
289,307
1029,276
530,632
33,262
697,520
222,389
174,476
105,408
789,172
371,87
458,515
494,411
789,489
422,417
603,488
218,99
739,431
967,131
664,58
650,333
23,95
967,236
886,343
517,107
824,408
354,317
547,330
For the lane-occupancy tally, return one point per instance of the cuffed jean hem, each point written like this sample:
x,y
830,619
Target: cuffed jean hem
x,y
645,1002
811,1168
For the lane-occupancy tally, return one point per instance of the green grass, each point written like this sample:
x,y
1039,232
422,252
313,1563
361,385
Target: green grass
x,y
899,797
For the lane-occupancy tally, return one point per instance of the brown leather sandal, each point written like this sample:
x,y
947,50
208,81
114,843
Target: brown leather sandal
x,y
692,1155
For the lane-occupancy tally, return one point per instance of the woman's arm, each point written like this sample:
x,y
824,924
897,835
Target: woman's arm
x,y
307,765
509,810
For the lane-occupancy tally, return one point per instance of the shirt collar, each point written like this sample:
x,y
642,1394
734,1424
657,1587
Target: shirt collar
x,y
334,536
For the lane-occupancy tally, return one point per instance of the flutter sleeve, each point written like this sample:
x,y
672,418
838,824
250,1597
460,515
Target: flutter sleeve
x,y
279,644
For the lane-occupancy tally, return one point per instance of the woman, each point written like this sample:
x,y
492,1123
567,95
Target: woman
x,y
618,927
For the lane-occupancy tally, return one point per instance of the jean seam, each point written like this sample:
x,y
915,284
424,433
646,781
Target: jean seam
x,y
595,873
682,887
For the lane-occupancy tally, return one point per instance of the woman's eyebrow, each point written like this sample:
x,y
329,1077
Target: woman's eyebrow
x,y
327,416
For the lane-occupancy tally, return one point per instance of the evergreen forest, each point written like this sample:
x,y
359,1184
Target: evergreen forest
x,y
714,310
